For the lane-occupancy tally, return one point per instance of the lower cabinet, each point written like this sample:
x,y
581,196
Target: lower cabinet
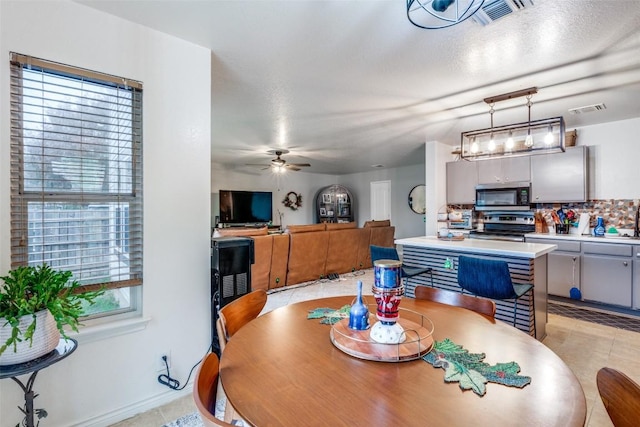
x,y
607,279
564,273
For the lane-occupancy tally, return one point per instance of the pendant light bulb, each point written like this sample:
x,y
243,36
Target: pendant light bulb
x,y
474,146
509,144
528,142
492,144
548,139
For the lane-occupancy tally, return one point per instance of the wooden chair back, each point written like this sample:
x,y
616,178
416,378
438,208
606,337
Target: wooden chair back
x,y
621,397
205,390
477,304
238,313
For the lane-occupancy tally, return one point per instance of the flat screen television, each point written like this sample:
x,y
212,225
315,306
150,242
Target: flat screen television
x,y
245,207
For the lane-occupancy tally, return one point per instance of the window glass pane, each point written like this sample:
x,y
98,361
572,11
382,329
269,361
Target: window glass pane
x,y
76,186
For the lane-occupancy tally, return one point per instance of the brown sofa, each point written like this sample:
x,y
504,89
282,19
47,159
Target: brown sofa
x,y
309,252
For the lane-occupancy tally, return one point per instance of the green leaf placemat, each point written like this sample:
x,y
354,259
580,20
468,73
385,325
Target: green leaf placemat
x,y
470,370
329,316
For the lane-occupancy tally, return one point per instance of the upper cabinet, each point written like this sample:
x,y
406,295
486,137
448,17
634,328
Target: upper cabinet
x,y
504,170
462,178
560,177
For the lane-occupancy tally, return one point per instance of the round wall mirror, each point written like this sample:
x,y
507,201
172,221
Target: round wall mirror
x,y
417,199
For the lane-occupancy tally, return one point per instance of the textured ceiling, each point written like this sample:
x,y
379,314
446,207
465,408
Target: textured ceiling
x,y
349,84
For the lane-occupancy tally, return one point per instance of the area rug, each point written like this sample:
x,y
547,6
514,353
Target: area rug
x,y
194,419
189,420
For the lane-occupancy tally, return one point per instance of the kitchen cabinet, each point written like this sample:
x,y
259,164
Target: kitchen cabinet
x,y
503,170
335,204
563,266
462,178
635,289
607,273
560,177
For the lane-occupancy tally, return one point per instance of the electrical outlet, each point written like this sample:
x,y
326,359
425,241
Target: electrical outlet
x,y
161,366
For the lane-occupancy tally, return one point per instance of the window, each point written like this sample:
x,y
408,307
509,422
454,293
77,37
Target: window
x,y
76,177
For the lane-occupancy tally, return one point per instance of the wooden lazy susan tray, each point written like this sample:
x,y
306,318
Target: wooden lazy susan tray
x,y
418,340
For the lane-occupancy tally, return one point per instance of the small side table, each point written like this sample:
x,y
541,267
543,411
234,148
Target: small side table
x,y
64,348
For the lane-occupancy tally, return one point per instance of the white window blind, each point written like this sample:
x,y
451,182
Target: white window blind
x,y
76,172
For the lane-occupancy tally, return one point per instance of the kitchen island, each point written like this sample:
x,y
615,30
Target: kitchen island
x,y
527,265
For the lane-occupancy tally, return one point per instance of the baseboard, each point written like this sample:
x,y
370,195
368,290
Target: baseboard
x,y
134,409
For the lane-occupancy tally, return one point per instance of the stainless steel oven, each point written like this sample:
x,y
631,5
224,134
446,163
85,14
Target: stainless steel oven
x,y
511,196
505,225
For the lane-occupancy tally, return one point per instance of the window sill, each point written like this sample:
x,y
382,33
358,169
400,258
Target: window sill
x,y
97,332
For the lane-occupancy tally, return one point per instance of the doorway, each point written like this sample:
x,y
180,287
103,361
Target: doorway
x,y
380,200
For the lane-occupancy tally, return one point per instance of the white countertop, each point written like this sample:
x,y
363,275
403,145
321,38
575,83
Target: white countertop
x,y
585,238
480,246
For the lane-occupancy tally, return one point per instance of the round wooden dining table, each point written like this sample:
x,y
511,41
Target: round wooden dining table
x,y
282,369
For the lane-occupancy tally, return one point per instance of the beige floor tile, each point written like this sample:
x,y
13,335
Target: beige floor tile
x,y
178,408
599,416
151,418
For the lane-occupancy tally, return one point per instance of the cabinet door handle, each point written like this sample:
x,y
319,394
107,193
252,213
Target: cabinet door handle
x,y
625,263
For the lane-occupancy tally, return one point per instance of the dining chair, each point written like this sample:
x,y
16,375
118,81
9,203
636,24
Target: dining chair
x,y
407,271
205,391
490,278
238,313
621,397
478,304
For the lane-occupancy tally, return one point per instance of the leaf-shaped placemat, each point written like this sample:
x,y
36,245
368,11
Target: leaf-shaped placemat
x,y
329,316
469,369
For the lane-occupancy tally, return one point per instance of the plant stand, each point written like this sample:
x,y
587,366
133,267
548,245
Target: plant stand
x,y
64,348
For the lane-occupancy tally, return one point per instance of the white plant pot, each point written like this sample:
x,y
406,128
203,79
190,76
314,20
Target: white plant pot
x,y
45,339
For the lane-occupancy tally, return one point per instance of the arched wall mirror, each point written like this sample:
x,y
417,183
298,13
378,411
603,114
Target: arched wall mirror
x,y
417,199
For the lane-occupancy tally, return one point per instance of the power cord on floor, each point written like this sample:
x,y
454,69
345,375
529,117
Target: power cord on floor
x,y
172,383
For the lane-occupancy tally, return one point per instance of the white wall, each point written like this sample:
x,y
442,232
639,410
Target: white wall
x,y
614,159
303,183
407,222
403,179
111,378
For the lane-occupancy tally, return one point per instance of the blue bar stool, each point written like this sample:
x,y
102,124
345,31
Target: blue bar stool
x,y
491,279
380,252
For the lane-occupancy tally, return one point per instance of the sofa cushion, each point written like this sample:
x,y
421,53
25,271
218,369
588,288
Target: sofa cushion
x,y
291,229
384,223
307,256
344,247
340,225
279,261
261,267
263,231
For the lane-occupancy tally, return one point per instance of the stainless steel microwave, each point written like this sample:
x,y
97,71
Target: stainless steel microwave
x,y
514,196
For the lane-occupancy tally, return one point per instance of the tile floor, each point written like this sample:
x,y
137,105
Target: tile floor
x,y
585,347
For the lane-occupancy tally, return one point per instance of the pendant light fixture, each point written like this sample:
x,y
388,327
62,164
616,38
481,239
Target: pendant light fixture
x,y
520,139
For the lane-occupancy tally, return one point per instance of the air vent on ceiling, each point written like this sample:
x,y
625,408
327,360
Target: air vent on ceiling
x,y
493,10
588,108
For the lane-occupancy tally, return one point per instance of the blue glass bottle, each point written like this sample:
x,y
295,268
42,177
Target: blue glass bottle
x,y
598,231
359,313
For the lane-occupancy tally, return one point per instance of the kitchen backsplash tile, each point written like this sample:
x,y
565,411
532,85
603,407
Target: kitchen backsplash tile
x,y
620,214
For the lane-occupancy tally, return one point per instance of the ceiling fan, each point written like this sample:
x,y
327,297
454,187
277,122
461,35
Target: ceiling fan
x,y
281,165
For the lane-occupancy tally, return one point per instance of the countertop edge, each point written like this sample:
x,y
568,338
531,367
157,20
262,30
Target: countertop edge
x,y
584,238
480,246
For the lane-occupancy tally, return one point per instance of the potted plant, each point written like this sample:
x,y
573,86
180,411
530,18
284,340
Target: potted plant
x,y
36,303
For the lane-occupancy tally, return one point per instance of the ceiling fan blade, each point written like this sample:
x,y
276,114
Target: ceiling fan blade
x,y
256,164
292,167
300,165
